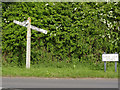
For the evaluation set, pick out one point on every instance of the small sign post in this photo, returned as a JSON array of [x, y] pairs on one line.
[[29, 27], [116, 63], [110, 57], [104, 64], [115, 66]]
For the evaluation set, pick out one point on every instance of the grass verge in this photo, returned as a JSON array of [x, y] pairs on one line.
[[79, 71]]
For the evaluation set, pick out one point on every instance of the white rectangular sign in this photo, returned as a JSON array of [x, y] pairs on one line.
[[110, 57], [24, 23]]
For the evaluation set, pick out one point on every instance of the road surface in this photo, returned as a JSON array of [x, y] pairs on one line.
[[23, 82]]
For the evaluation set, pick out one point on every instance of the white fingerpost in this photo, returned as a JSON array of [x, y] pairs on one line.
[[29, 27], [28, 44]]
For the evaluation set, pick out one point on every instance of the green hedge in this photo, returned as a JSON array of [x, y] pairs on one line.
[[78, 31]]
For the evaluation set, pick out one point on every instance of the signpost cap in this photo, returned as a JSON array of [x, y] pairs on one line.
[[29, 19], [104, 52]]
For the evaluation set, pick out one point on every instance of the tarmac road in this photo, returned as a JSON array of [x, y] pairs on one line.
[[33, 82]]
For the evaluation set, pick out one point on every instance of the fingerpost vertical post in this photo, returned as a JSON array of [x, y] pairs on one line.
[[28, 44]]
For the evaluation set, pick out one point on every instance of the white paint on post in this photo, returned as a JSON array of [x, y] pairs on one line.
[[28, 44]]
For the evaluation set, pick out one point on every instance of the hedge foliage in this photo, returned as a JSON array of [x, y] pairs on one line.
[[78, 31]]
